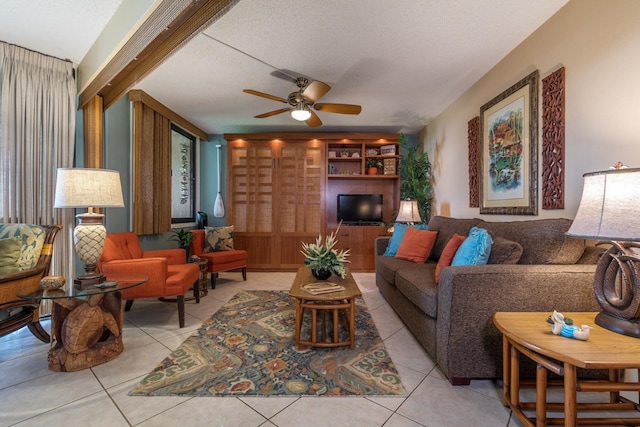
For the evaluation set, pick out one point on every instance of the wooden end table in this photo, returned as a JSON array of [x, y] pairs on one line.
[[86, 325], [333, 303], [530, 335]]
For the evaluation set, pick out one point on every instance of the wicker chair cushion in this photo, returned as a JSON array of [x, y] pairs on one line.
[[32, 241], [9, 254]]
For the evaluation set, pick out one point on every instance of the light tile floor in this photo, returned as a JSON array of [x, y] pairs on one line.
[[31, 395]]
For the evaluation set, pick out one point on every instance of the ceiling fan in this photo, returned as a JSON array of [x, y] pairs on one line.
[[305, 98]]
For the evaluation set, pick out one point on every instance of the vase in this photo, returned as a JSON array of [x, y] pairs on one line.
[[372, 171], [321, 274]]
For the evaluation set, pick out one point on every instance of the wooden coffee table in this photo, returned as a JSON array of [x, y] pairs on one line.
[[333, 303], [530, 335]]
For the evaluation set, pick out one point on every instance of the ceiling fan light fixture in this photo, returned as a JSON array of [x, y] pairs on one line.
[[300, 112]]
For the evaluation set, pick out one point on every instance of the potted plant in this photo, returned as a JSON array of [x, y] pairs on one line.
[[323, 259], [415, 177], [373, 164], [184, 237]]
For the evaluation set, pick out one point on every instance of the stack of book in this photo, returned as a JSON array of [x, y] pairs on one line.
[[318, 288]]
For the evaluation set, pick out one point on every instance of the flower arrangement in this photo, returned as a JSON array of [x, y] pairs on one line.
[[322, 256]]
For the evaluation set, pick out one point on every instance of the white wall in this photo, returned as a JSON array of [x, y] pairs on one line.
[[598, 43]]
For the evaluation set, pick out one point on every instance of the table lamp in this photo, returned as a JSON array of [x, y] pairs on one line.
[[609, 210], [88, 188], [408, 212]]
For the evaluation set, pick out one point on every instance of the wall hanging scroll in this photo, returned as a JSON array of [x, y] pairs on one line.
[[509, 152], [473, 135], [553, 127]]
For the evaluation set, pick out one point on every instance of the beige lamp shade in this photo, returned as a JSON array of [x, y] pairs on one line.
[[408, 212], [610, 206], [86, 187]]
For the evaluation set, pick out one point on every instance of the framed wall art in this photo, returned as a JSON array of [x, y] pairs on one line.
[[508, 150]]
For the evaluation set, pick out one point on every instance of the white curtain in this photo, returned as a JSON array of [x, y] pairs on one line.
[[37, 136]]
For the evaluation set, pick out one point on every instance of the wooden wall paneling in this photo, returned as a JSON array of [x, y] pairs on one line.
[[553, 131], [473, 135]]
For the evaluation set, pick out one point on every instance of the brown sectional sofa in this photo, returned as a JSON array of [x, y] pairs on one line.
[[453, 319]]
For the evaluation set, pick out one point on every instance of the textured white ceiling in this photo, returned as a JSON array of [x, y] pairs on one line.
[[65, 29], [404, 61]]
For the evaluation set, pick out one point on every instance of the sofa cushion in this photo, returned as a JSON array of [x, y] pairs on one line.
[[387, 266], [9, 254], [219, 239], [399, 230], [543, 240], [32, 235], [416, 245], [446, 228], [448, 253], [505, 251], [475, 249], [417, 283]]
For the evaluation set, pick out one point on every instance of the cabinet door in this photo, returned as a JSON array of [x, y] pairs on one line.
[[300, 202], [350, 238], [250, 190]]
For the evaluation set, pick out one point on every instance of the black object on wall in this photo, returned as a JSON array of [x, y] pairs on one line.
[[201, 219]]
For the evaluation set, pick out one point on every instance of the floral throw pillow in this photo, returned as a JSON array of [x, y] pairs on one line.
[[219, 239]]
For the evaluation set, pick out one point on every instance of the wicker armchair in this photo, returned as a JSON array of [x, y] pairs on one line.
[[15, 312]]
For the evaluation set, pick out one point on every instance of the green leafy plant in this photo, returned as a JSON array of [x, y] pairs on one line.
[[182, 235], [322, 255], [415, 177], [373, 162]]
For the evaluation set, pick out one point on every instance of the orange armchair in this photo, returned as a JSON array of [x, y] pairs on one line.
[[218, 261], [169, 274]]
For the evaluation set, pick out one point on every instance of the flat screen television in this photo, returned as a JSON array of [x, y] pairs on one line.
[[360, 208]]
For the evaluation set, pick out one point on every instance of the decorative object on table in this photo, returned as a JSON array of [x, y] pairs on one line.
[[218, 207], [52, 282], [564, 326], [409, 212], [88, 188], [258, 349], [319, 288], [415, 177], [609, 211], [323, 259], [183, 236], [388, 150], [373, 164], [194, 258], [509, 150]]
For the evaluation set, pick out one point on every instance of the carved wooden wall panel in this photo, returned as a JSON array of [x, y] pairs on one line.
[[473, 135], [553, 130]]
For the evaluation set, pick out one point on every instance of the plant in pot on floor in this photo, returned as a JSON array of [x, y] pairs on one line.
[[184, 237], [323, 259]]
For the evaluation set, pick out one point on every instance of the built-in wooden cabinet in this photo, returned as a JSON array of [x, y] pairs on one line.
[[282, 190]]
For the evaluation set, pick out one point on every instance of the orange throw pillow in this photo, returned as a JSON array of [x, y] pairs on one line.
[[448, 253], [416, 245]]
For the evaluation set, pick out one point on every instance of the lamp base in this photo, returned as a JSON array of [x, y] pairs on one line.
[[88, 280], [627, 327]]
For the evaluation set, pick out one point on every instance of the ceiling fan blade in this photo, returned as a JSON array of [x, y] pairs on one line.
[[313, 121], [338, 108], [316, 90], [264, 95], [271, 113]]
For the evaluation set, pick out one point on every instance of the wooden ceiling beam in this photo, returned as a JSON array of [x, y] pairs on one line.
[[168, 28]]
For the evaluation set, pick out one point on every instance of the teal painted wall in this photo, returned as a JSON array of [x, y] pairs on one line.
[[117, 156]]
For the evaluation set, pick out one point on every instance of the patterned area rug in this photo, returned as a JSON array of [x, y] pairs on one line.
[[246, 348]]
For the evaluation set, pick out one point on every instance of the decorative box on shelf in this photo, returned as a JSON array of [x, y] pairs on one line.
[[388, 150], [389, 166]]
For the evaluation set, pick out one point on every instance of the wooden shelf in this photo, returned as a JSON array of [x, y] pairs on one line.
[[379, 176]]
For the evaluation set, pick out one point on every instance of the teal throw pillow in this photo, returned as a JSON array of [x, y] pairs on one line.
[[399, 228], [475, 249]]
